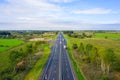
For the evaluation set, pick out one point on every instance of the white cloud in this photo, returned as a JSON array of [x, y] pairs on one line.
[[28, 10], [62, 1], [93, 11], [41, 4], [29, 5], [51, 25], [44, 25], [46, 14], [26, 18]]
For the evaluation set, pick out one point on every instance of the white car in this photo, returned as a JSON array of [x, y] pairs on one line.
[[60, 42], [65, 47], [46, 77]]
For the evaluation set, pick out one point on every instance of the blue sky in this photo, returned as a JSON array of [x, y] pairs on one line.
[[59, 15]]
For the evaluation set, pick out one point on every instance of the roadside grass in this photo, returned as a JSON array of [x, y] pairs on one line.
[[35, 72], [6, 44], [77, 70], [108, 35]]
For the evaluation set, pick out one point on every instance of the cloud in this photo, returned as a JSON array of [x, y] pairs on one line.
[[62, 1], [48, 14], [41, 4], [28, 6], [28, 10], [58, 25], [26, 18], [93, 11]]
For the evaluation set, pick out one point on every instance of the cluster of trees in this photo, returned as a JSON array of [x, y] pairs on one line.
[[79, 35], [5, 34], [25, 34], [21, 60], [25, 54], [68, 32], [106, 59], [74, 46]]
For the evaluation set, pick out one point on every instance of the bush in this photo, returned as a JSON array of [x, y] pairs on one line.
[[75, 46], [86, 59], [1, 45], [106, 37], [116, 64], [105, 77]]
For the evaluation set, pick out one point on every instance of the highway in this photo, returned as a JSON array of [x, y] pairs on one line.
[[58, 66]]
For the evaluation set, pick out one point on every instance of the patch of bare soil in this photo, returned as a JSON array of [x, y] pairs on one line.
[[91, 72], [39, 39], [114, 75]]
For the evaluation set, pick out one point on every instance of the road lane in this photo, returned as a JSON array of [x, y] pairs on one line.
[[58, 66]]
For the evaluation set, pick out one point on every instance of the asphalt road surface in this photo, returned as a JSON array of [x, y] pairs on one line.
[[58, 66]]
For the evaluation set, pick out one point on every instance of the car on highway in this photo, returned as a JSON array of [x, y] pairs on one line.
[[65, 47]]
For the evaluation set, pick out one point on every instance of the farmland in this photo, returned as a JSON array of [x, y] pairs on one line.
[[6, 44], [107, 35]]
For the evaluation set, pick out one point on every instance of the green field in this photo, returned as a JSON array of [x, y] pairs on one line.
[[99, 42], [108, 35], [6, 44]]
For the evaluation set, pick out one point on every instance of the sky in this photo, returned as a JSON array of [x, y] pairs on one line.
[[59, 14]]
